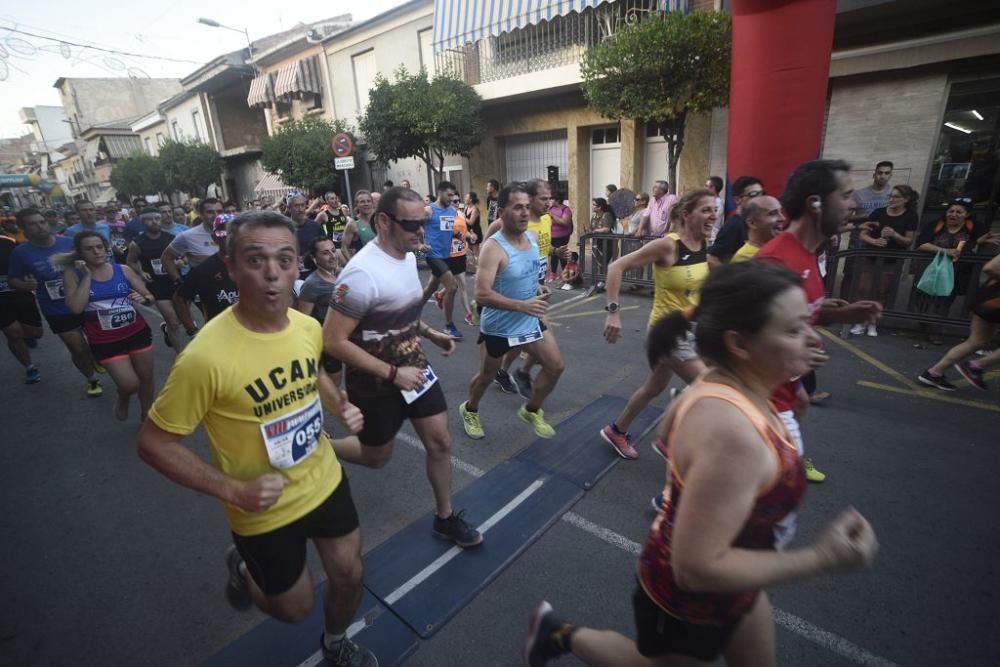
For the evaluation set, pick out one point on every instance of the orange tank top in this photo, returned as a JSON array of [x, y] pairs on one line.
[[774, 503]]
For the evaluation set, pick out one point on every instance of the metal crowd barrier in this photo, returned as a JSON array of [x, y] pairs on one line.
[[887, 276]]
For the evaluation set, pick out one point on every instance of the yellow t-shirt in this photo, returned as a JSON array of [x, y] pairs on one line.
[[543, 232], [745, 253], [257, 396]]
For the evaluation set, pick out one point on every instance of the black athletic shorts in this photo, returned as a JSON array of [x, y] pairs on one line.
[[331, 364], [19, 307], [454, 265], [497, 346], [384, 415], [61, 324], [140, 341], [162, 290], [276, 559], [658, 633]]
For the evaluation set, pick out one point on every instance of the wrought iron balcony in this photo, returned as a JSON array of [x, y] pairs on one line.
[[548, 44]]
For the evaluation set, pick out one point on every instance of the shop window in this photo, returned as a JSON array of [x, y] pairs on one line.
[[967, 159]]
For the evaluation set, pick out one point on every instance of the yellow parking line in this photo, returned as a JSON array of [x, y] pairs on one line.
[[560, 316], [932, 394], [864, 356]]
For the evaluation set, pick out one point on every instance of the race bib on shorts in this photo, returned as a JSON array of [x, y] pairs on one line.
[[55, 289], [541, 269], [293, 437], [157, 267], [447, 223], [514, 341], [115, 318], [457, 245], [413, 394]]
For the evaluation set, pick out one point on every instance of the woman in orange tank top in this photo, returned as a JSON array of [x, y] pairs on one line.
[[735, 474]]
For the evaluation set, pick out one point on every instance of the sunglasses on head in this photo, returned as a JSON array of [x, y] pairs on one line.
[[753, 193], [407, 225], [965, 201]]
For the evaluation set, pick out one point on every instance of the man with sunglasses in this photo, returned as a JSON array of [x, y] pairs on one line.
[[373, 326], [733, 233]]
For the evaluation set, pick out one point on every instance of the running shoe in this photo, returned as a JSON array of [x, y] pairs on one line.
[[31, 342], [812, 474], [857, 329], [546, 636], [439, 299], [470, 420], [99, 368], [537, 421], [32, 375], [166, 338], [872, 330], [973, 376], [469, 320], [938, 381], [505, 382], [523, 379], [456, 530], [660, 447], [453, 331], [676, 391], [621, 442], [94, 389], [237, 591], [658, 503], [348, 653]]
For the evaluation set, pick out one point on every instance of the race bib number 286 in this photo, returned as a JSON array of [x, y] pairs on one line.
[[293, 437]]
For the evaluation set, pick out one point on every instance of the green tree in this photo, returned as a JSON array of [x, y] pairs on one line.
[[661, 69], [138, 175], [300, 152], [189, 167], [414, 116]]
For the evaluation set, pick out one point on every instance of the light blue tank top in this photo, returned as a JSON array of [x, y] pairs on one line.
[[518, 280]]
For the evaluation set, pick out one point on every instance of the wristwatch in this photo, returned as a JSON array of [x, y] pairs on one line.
[[612, 307]]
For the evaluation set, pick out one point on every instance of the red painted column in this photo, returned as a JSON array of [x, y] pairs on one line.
[[777, 94]]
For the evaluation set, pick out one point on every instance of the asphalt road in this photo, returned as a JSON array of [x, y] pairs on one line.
[[108, 563]]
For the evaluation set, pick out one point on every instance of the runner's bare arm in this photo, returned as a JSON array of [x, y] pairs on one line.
[[132, 259], [166, 452], [137, 283], [661, 251], [348, 238], [183, 309], [336, 332], [77, 290], [493, 228], [168, 259]]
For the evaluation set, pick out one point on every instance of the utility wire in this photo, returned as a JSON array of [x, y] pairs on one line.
[[99, 48]]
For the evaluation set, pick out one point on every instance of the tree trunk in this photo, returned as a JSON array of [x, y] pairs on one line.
[[673, 134], [429, 163]]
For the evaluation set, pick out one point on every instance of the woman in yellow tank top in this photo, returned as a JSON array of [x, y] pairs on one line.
[[679, 268]]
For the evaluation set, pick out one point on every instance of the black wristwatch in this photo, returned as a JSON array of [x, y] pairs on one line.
[[612, 307]]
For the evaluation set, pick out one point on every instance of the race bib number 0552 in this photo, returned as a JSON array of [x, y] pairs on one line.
[[293, 437]]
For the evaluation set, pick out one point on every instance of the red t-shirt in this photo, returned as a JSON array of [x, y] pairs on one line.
[[787, 251]]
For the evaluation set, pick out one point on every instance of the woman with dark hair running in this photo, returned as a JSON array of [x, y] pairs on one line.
[[119, 338], [679, 268], [734, 475]]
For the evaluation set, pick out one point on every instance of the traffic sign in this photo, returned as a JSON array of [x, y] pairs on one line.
[[343, 162], [342, 145]]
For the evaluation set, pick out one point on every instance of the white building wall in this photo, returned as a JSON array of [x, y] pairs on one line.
[[183, 125]]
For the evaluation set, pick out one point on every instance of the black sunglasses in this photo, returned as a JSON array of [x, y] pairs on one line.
[[407, 225], [753, 193]]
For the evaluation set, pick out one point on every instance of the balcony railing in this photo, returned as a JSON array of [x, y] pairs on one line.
[[555, 43]]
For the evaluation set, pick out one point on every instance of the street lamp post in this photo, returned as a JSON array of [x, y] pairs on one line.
[[215, 24]]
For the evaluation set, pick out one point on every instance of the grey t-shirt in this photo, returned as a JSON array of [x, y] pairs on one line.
[[195, 244], [867, 200], [317, 291]]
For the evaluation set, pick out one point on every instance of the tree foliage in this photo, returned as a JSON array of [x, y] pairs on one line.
[[418, 117], [661, 69], [189, 167], [300, 152], [138, 175]]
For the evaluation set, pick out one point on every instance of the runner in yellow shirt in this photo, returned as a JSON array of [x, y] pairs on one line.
[[253, 378]]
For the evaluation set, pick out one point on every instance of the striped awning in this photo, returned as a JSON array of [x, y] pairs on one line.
[[261, 91], [458, 22], [301, 77]]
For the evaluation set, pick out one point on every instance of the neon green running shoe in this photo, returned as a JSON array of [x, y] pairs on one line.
[[470, 420], [537, 421]]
